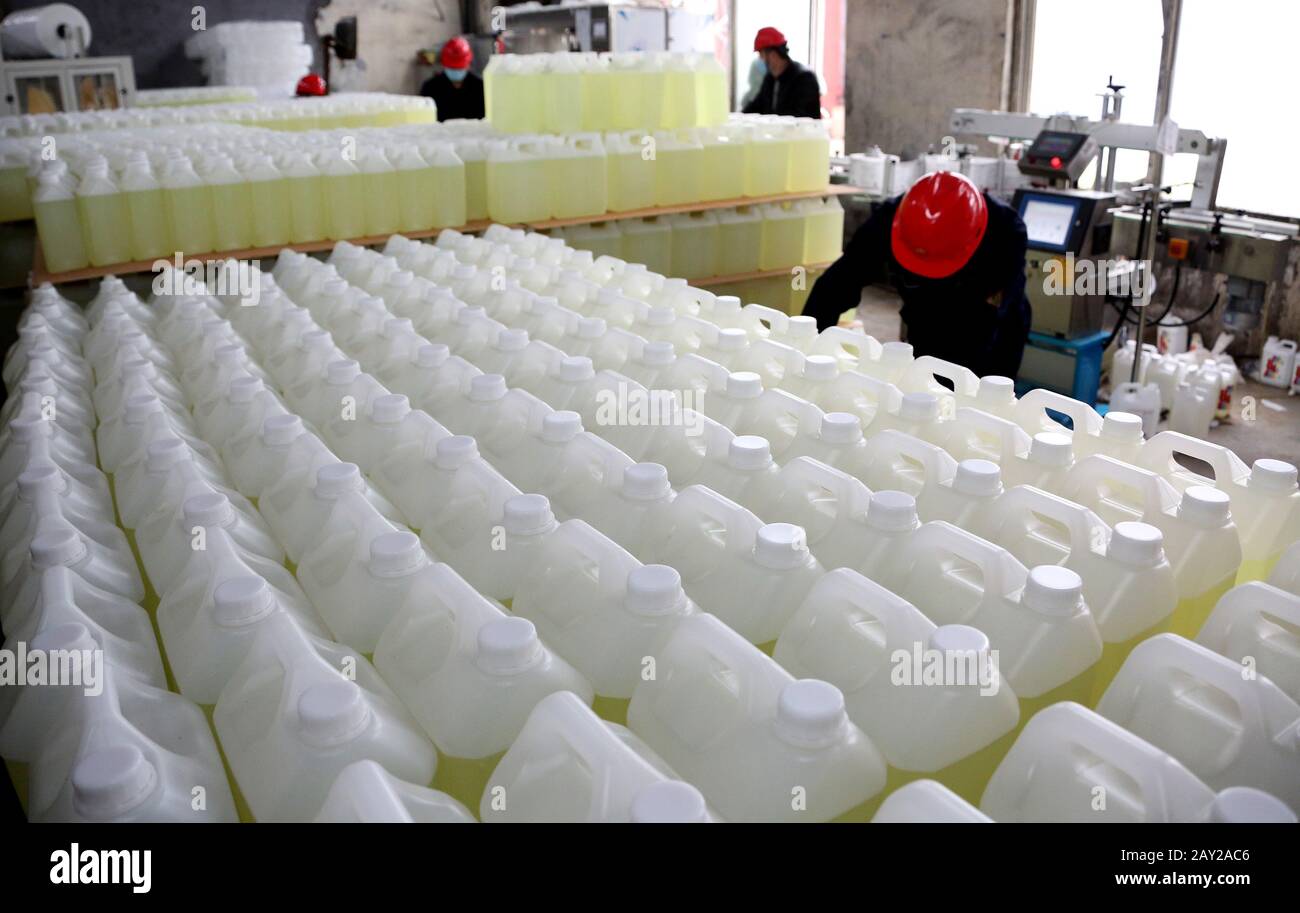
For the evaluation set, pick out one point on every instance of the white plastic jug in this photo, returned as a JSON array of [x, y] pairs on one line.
[[601, 609], [874, 646], [749, 574], [829, 505], [470, 674], [1071, 764], [290, 720], [966, 498], [760, 745], [1046, 638], [1046, 465], [927, 802], [1142, 400], [134, 752], [901, 462], [1205, 551], [1255, 625], [1227, 728], [568, 765], [366, 793]]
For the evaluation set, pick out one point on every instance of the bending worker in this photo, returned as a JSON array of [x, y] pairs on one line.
[[789, 88], [456, 91], [956, 256]]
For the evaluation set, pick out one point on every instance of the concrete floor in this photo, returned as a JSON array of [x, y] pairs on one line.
[[1254, 430]]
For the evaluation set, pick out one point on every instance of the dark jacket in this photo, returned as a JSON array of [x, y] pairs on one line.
[[797, 94], [454, 103], [977, 317]]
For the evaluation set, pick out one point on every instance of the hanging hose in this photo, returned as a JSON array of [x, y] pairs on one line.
[[1128, 302]]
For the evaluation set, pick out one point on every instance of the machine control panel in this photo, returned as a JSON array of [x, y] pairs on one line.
[[1058, 155]]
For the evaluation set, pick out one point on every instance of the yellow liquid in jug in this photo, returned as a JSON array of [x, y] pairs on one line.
[[450, 197], [272, 213], [15, 198], [783, 241], [103, 218], [232, 216], [613, 709], [148, 214], [59, 226], [1256, 569], [476, 207], [383, 195], [189, 219], [631, 181], [1190, 614], [307, 209], [345, 205]]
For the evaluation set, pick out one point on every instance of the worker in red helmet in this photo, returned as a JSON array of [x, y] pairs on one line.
[[311, 84], [956, 256], [788, 87], [456, 91]]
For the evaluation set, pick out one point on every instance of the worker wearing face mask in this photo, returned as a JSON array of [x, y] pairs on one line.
[[456, 91], [789, 88], [956, 256]]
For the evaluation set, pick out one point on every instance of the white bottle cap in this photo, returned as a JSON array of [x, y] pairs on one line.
[[896, 352], [432, 355], [1122, 426], [1051, 449], [810, 713], [281, 430], [1136, 544], [111, 781], [576, 368], [334, 479], [469, 314], [394, 327], [590, 328], [61, 547], [1205, 506], [1247, 805], [669, 802], [242, 600], [395, 554], [464, 271], [508, 645], [41, 477], [781, 546], [334, 287], [485, 388], [206, 510], [919, 407], [401, 279], [996, 390], [840, 428], [820, 367], [340, 372], [660, 315], [333, 712], [389, 409], [978, 478], [455, 451], [1273, 475], [657, 354], [744, 385], [1053, 590], [561, 427], [165, 453], [528, 515], [512, 339], [30, 429], [315, 338], [958, 639], [749, 452], [892, 511], [654, 589], [645, 482], [727, 302], [732, 339], [244, 388]]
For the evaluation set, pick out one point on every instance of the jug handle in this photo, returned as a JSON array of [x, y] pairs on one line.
[[942, 537], [740, 525], [1031, 412], [1159, 451], [764, 321], [1015, 440], [1171, 652], [926, 368], [1083, 526], [841, 341], [1157, 494], [885, 395], [937, 464], [851, 495]]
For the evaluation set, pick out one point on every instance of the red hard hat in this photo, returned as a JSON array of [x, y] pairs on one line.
[[456, 54], [311, 84], [939, 224], [768, 37]]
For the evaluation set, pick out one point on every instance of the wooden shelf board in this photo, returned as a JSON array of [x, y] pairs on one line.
[[830, 190]]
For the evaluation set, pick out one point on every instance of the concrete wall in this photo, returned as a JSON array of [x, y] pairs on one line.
[[390, 33], [908, 62]]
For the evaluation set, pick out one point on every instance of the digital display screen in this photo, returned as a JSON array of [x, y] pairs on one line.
[[1048, 222], [1063, 144]]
